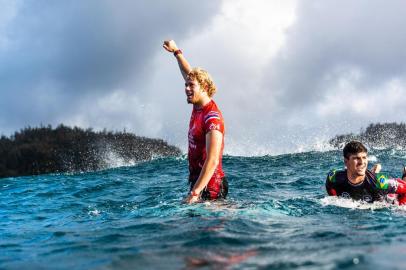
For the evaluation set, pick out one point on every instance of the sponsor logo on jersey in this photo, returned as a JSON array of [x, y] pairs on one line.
[[214, 126], [346, 195], [192, 143]]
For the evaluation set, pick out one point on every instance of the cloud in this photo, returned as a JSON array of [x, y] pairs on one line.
[[235, 48], [290, 74], [328, 51], [338, 70], [56, 57]]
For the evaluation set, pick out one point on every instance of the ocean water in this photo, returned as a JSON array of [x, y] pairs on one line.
[[277, 216]]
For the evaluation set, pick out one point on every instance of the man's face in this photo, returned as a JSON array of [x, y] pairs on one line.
[[193, 91], [357, 164]]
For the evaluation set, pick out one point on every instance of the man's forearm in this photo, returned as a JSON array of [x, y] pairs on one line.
[[184, 65], [206, 174]]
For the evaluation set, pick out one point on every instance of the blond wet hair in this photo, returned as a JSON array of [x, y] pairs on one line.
[[204, 79]]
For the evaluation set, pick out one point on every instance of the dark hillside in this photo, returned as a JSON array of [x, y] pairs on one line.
[[376, 136], [65, 149]]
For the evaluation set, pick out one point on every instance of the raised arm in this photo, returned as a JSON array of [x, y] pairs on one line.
[[184, 65]]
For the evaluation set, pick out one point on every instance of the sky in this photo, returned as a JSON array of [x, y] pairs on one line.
[[290, 74]]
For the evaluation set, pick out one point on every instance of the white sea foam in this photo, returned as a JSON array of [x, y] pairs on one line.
[[293, 145], [114, 160], [296, 144], [94, 212], [372, 158], [348, 203]]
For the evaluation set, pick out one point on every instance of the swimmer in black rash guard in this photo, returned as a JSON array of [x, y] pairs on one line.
[[359, 183]]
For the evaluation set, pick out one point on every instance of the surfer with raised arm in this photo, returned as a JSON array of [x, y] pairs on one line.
[[359, 183], [206, 132]]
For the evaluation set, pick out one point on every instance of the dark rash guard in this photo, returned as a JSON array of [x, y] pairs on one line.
[[375, 187]]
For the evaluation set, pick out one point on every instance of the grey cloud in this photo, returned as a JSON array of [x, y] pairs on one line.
[[65, 61], [331, 37], [72, 51], [332, 46]]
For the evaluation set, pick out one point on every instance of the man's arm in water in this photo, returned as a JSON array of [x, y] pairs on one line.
[[184, 65], [330, 183], [400, 183], [330, 189], [214, 140]]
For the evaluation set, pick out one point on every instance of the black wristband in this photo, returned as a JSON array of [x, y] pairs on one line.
[[177, 52]]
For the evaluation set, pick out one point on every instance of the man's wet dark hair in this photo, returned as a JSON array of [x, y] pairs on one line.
[[353, 148]]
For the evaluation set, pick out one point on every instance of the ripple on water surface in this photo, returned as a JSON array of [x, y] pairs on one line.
[[276, 217]]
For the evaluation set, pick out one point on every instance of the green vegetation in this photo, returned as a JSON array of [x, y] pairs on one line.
[[65, 149], [376, 136]]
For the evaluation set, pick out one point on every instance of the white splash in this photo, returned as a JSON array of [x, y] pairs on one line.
[[351, 204], [297, 144], [114, 160], [372, 158], [94, 212]]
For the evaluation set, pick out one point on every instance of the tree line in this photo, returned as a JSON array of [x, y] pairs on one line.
[[376, 135], [44, 149]]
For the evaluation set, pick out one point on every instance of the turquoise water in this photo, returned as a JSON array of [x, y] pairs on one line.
[[277, 216]]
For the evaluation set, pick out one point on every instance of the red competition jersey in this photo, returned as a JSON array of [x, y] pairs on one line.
[[202, 121]]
